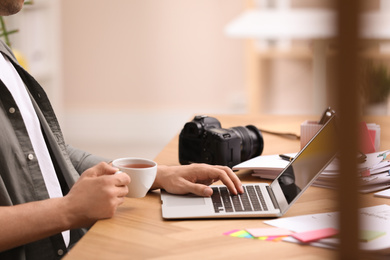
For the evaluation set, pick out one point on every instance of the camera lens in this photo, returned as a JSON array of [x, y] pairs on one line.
[[252, 143]]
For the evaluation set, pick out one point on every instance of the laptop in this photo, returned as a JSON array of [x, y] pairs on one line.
[[260, 199]]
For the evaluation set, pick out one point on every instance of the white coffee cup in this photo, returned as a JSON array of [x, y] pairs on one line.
[[142, 173]]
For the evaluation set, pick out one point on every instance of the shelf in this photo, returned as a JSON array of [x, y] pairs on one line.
[[302, 23], [282, 24]]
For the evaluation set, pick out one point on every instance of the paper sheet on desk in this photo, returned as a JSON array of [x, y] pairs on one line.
[[265, 166], [376, 218], [383, 193], [264, 162]]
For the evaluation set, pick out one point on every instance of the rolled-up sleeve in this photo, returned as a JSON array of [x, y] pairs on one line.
[[82, 160]]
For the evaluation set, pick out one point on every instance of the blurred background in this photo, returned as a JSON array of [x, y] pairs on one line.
[[125, 75]]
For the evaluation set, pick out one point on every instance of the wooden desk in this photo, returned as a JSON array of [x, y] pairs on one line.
[[137, 231]]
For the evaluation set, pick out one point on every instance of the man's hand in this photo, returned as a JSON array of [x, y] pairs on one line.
[[97, 194], [195, 179]]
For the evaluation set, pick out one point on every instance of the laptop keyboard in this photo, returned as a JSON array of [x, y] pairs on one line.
[[251, 200]]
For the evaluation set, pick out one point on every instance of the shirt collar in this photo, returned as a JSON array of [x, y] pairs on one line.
[[7, 51]]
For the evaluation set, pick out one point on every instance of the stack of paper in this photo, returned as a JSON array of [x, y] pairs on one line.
[[373, 173]]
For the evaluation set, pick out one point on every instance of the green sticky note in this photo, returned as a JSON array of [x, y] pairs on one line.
[[241, 233], [368, 235]]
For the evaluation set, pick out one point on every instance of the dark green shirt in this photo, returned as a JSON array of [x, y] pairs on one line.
[[21, 180]]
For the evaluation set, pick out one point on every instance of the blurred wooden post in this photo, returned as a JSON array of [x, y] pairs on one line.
[[348, 111]]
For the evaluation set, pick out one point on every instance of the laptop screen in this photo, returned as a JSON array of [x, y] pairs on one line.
[[306, 166]]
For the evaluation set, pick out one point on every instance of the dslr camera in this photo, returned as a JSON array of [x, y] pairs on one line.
[[203, 140]]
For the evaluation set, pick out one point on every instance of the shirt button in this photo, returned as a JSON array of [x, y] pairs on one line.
[[30, 156], [12, 110], [60, 252]]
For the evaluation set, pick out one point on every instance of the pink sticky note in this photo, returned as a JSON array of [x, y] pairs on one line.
[[265, 232], [277, 239], [231, 232], [313, 235], [271, 238]]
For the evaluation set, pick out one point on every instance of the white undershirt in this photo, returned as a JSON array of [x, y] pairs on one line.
[[15, 85]]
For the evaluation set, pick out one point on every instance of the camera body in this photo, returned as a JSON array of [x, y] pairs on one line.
[[203, 140]]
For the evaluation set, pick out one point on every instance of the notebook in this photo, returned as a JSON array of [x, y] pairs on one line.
[[260, 199]]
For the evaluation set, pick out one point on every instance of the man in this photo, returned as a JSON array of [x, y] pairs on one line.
[[50, 191]]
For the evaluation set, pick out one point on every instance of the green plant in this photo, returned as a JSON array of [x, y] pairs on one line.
[[375, 83], [3, 30]]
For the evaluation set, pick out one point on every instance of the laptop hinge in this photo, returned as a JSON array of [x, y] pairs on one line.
[[273, 199]]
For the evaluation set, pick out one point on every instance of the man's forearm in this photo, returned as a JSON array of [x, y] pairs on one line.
[[25, 223]]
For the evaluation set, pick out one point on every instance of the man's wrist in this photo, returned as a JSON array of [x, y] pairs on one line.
[[161, 171]]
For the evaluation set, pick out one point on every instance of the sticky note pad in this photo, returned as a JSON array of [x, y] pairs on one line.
[[231, 232], [368, 235], [241, 233], [265, 232], [313, 235]]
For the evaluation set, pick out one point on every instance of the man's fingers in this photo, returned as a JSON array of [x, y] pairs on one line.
[[199, 189], [123, 191], [230, 179], [122, 179], [100, 169], [117, 183]]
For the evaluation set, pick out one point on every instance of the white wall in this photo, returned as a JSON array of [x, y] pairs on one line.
[[125, 75], [135, 71]]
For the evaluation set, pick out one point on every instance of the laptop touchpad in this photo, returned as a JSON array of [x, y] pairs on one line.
[[188, 200]]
